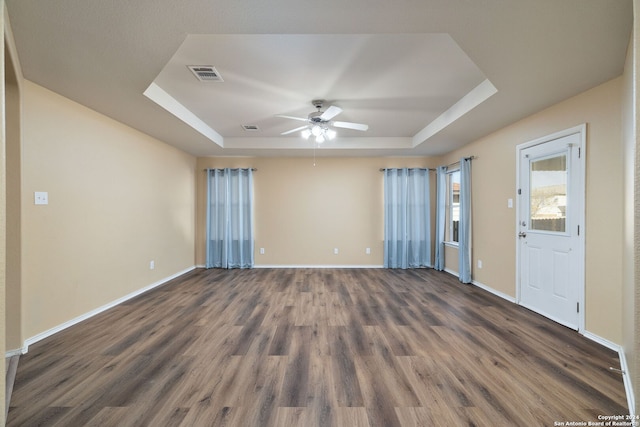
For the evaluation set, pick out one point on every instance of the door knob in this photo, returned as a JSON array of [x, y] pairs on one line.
[[522, 234]]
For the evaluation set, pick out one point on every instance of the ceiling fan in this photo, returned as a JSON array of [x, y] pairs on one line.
[[319, 122]]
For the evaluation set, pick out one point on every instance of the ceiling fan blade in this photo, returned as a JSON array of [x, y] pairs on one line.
[[293, 118], [349, 125], [330, 113], [294, 130]]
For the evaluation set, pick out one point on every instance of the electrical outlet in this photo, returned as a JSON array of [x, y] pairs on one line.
[[367, 251], [335, 251], [479, 263], [41, 198], [152, 265], [261, 251]]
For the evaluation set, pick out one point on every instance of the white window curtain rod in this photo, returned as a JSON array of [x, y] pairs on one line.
[[422, 169], [432, 169], [212, 169], [458, 162]]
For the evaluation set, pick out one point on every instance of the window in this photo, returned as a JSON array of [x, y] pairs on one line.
[[548, 194], [452, 206]]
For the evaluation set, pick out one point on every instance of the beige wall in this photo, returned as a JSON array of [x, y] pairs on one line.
[[494, 182], [14, 213], [117, 200], [451, 259], [303, 212]]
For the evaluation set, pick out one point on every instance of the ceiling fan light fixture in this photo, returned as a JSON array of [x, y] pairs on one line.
[[320, 133], [319, 123], [316, 130]]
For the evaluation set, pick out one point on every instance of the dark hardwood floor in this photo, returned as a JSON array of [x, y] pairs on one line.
[[316, 347]]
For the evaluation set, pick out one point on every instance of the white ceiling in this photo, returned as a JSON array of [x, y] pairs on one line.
[[427, 76]]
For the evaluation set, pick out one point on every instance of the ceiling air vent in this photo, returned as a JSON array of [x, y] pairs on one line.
[[250, 128], [205, 73]]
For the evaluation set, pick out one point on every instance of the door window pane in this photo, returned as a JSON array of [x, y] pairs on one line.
[[548, 194]]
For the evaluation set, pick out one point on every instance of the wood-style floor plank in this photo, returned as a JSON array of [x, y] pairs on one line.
[[315, 347]]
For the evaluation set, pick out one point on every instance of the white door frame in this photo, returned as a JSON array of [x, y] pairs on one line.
[[581, 171]]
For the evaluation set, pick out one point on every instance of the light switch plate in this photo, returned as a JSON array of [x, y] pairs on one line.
[[41, 198]]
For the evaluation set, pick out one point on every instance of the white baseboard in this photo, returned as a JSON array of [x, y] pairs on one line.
[[628, 386], [316, 266], [96, 311], [453, 273], [485, 287], [602, 341], [15, 352], [493, 291]]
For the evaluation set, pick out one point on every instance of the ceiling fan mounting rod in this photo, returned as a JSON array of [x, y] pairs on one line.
[[318, 103]]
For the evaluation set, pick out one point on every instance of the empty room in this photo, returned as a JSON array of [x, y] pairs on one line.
[[237, 213]]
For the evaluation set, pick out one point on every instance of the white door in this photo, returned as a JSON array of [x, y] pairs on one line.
[[550, 227]]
